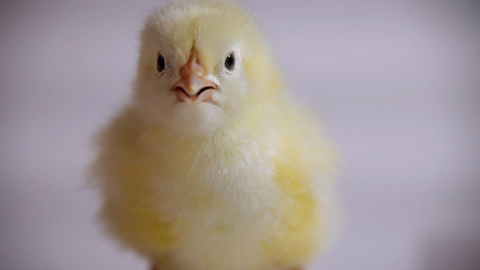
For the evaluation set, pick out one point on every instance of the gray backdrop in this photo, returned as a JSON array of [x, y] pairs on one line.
[[396, 83]]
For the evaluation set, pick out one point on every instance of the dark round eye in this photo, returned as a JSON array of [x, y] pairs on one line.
[[160, 62], [230, 61]]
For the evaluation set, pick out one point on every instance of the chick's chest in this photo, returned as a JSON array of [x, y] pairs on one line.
[[227, 183]]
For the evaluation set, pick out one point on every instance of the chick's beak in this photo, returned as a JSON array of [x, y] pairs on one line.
[[193, 87]]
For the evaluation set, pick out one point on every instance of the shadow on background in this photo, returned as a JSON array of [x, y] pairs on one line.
[[452, 254]]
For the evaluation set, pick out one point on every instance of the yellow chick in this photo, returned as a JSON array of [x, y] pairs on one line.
[[211, 166]]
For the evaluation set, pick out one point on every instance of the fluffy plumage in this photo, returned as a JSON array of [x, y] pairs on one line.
[[240, 181]]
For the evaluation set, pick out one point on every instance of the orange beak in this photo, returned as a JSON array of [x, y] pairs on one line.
[[193, 87]]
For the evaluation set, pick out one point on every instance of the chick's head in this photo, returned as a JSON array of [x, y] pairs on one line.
[[203, 64]]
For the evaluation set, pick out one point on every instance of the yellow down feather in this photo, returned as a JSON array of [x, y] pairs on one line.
[[241, 183]]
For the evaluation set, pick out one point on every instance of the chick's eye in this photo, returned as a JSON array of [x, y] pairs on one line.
[[230, 61], [160, 62]]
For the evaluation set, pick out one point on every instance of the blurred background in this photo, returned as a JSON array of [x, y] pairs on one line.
[[397, 83]]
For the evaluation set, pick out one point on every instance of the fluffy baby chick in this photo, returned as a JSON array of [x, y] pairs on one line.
[[211, 166]]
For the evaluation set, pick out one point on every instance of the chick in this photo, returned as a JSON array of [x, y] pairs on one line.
[[211, 166]]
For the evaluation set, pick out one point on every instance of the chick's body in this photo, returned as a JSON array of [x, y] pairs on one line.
[[235, 178]]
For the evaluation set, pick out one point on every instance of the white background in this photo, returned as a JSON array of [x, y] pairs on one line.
[[397, 83]]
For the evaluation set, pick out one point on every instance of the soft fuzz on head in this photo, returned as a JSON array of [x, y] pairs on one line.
[[215, 29]]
